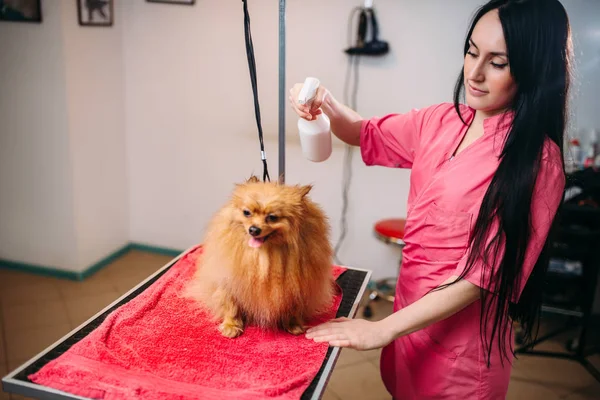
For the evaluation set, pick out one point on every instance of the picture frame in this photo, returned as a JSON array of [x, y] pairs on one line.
[[21, 11], [178, 2], [95, 13]]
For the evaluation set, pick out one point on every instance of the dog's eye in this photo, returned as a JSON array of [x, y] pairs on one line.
[[272, 218], [247, 213]]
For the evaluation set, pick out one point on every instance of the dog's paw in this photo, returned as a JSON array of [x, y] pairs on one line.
[[296, 329], [231, 329]]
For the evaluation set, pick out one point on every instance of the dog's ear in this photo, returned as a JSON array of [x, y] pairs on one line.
[[304, 190], [253, 179]]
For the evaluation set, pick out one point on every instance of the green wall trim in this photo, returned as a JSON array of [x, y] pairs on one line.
[[92, 269], [165, 251], [38, 269]]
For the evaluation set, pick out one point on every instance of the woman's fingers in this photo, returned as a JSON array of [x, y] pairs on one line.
[[328, 326], [325, 333], [304, 111], [330, 337], [318, 100], [320, 331], [340, 319], [340, 343]]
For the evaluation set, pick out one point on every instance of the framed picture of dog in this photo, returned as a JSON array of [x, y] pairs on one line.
[[21, 11], [95, 12]]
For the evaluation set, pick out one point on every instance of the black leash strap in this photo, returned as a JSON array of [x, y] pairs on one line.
[[252, 66]]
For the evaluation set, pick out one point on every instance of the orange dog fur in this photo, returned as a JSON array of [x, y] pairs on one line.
[[266, 260]]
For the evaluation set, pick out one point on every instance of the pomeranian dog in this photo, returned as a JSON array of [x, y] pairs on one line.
[[266, 260]]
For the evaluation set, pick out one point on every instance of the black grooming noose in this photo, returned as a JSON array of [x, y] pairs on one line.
[[252, 66]]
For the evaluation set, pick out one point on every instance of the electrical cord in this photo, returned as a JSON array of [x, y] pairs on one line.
[[351, 100]]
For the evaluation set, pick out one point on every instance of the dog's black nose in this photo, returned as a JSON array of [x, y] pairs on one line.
[[254, 230]]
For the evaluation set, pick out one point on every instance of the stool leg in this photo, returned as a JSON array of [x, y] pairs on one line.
[[379, 291], [373, 296]]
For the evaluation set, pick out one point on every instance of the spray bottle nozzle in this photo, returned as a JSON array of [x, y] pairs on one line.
[[309, 90]]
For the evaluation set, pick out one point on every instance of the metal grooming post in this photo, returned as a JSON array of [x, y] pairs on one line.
[[282, 95]]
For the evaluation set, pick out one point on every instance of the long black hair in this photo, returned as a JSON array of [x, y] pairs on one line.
[[538, 41]]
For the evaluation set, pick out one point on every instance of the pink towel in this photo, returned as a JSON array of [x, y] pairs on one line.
[[152, 348]]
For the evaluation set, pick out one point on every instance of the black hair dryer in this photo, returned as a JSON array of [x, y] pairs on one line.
[[374, 46]]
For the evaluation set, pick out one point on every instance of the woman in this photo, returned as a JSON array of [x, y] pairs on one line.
[[486, 183]]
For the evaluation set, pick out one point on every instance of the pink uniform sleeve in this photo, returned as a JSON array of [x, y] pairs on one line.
[[393, 140], [547, 196]]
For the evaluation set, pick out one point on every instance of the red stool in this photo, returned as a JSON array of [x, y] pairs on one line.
[[389, 231]]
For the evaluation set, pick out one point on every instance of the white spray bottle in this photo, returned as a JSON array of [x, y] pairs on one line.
[[315, 135]]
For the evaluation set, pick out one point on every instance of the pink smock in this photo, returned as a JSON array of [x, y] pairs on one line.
[[446, 360]]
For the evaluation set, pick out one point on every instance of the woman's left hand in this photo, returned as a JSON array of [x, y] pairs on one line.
[[358, 334]]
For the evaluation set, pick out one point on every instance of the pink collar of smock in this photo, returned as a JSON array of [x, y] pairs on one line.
[[496, 126], [499, 123]]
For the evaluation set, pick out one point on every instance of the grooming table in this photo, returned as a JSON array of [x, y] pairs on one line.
[[352, 282]]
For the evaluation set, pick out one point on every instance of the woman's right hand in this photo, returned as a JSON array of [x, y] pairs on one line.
[[345, 122], [304, 111]]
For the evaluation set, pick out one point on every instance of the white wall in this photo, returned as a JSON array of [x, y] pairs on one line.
[[190, 119], [165, 94], [95, 93], [63, 172], [36, 190], [190, 124]]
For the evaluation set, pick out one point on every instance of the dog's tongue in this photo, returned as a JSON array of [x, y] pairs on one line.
[[256, 243]]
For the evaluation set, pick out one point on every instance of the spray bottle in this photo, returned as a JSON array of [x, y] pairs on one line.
[[315, 135]]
